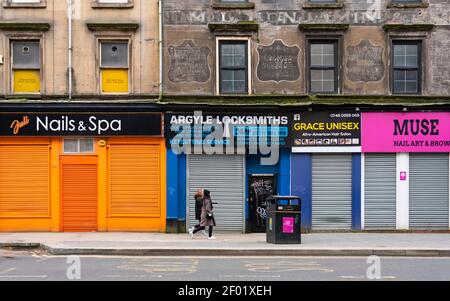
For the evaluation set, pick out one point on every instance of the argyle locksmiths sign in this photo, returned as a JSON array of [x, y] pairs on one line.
[[326, 132], [80, 124], [204, 129]]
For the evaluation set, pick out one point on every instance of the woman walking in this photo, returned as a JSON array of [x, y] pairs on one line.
[[206, 216], [198, 197]]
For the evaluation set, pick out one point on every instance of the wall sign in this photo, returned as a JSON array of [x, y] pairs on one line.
[[239, 130], [188, 63], [365, 62], [326, 132], [79, 124], [406, 132], [278, 62]]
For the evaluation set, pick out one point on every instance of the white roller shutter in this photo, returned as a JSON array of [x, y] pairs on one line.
[[331, 192], [428, 191], [223, 175], [380, 191]]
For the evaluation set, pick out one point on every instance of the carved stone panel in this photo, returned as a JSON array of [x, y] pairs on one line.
[[188, 63], [365, 62], [278, 62]]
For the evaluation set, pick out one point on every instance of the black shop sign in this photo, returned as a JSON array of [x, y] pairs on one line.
[[228, 130], [81, 124]]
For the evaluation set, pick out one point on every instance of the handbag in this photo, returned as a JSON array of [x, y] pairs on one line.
[[209, 215]]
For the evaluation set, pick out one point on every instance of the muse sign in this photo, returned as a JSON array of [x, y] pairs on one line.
[[406, 132], [80, 124]]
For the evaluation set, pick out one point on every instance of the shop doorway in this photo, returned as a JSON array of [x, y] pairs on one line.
[[260, 187], [79, 187]]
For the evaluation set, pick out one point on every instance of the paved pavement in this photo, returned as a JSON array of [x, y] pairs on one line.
[[160, 244], [21, 266]]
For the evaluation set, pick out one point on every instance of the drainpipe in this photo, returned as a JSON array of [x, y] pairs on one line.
[[69, 14], [161, 50]]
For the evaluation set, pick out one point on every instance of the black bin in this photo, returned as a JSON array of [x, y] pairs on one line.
[[283, 223]]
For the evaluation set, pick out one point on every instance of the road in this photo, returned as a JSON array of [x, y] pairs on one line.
[[30, 265]]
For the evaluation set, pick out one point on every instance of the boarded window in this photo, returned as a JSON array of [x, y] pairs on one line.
[[114, 67], [24, 181], [26, 65]]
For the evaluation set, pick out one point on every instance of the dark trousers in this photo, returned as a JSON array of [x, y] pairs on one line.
[[199, 228]]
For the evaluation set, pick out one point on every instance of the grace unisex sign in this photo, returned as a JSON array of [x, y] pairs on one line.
[[81, 124], [326, 132], [406, 132]]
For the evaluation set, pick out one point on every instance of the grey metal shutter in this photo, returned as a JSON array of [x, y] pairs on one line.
[[428, 191], [223, 175], [380, 191], [331, 192]]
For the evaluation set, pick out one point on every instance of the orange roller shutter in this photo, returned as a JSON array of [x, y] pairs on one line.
[[24, 181], [135, 188], [79, 197]]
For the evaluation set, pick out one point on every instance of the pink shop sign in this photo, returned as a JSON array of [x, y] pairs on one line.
[[406, 132]]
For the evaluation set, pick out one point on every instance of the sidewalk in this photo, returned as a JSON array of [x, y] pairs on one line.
[[159, 244]]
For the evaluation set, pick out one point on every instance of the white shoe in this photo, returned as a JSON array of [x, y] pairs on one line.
[[212, 237], [191, 232], [204, 233]]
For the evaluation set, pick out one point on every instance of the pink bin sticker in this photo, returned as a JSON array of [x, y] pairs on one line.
[[288, 225]]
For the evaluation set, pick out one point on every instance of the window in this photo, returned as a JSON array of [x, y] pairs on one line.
[[114, 66], [24, 3], [406, 67], [323, 66], [112, 1], [406, 1], [322, 1], [26, 66], [78, 146], [233, 65]]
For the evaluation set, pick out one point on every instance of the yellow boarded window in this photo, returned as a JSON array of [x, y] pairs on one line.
[[115, 80], [27, 81], [114, 66], [26, 66]]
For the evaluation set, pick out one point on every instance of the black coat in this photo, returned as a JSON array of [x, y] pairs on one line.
[[198, 206]]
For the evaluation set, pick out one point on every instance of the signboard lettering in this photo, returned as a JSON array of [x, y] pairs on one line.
[[406, 132], [79, 124]]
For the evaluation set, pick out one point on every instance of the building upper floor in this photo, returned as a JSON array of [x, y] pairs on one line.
[[103, 47], [273, 48], [307, 47]]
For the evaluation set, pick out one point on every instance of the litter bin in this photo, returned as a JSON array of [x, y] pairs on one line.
[[283, 224]]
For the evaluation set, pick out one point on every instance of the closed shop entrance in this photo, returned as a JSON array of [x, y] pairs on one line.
[[380, 191], [428, 191], [223, 175], [78, 171], [82, 172], [331, 191]]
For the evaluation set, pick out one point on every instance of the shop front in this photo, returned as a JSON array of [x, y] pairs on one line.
[[225, 153], [326, 168], [406, 176], [78, 172]]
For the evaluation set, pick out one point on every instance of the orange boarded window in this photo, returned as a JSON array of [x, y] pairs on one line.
[[135, 174], [24, 181]]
